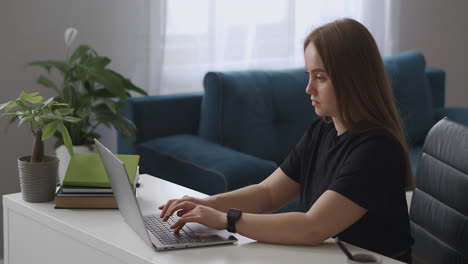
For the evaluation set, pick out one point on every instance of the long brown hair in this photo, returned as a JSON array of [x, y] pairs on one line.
[[363, 93]]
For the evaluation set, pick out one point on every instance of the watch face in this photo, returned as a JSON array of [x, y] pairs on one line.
[[234, 214]]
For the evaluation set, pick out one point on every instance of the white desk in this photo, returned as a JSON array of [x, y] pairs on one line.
[[38, 233]]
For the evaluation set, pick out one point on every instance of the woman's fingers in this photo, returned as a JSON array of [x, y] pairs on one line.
[[187, 206], [182, 221], [166, 208]]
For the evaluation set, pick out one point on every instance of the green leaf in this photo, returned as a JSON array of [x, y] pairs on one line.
[[110, 104], [24, 104], [99, 62], [5, 105], [59, 104], [113, 83], [125, 126], [32, 98], [71, 119], [66, 138], [44, 81], [78, 53], [42, 64], [59, 65], [39, 120], [50, 129], [130, 86], [65, 111], [24, 119], [51, 116], [103, 93], [57, 113], [49, 101], [11, 106]]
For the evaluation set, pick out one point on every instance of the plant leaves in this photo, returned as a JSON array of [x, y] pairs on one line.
[[44, 81], [130, 86], [66, 138], [125, 126], [5, 105], [32, 98], [79, 52], [113, 83], [59, 104], [50, 129], [49, 101], [103, 93], [11, 106], [62, 66], [24, 104], [24, 119], [51, 116], [65, 111], [99, 62], [71, 119], [110, 104]]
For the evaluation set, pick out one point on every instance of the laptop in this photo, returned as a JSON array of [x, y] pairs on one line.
[[151, 228]]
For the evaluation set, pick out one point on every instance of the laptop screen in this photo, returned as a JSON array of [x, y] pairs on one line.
[[122, 188]]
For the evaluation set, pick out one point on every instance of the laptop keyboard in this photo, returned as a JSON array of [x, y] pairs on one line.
[[162, 231]]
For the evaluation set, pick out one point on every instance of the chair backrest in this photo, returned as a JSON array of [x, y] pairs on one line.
[[439, 206]]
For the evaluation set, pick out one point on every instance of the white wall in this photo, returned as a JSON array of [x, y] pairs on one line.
[[32, 30], [438, 28]]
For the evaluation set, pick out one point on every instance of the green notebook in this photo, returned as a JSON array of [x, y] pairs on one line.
[[87, 170]]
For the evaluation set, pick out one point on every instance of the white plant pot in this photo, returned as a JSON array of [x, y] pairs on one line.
[[62, 153]]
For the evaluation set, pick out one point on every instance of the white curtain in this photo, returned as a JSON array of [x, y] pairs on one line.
[[190, 38]]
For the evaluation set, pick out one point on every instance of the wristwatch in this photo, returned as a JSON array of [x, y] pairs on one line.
[[233, 215]]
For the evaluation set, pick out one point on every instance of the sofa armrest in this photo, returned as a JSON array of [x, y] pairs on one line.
[[160, 116], [436, 79], [457, 114]]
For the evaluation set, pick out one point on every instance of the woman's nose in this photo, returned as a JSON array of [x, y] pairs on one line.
[[310, 89]]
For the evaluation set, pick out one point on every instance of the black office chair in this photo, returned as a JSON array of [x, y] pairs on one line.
[[439, 207]]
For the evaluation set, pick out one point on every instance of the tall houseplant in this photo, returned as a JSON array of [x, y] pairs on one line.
[[92, 89], [38, 172]]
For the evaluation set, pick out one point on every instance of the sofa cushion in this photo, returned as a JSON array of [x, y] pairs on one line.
[[412, 93], [263, 113], [201, 165]]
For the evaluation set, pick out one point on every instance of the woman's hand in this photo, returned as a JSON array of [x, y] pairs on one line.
[[167, 209], [192, 212]]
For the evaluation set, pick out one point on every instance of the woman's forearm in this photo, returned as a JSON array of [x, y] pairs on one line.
[[251, 199], [288, 228]]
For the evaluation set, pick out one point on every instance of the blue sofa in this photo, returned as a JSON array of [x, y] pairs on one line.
[[245, 123]]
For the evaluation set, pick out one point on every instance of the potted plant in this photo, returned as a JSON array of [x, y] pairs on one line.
[[38, 172], [93, 90]]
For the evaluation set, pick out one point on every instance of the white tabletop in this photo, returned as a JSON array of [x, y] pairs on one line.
[[107, 231]]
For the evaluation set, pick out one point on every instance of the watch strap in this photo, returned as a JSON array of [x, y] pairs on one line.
[[233, 216]]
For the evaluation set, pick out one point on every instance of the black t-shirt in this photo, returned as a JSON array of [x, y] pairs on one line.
[[367, 168]]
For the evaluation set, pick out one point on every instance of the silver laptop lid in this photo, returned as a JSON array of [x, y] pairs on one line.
[[122, 188]]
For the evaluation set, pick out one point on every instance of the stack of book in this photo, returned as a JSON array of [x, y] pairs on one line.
[[86, 184]]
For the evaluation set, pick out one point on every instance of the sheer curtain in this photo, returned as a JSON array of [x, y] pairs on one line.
[[194, 37]]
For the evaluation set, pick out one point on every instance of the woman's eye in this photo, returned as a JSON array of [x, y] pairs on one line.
[[319, 77]]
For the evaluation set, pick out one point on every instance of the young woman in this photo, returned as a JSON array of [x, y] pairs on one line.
[[350, 168]]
